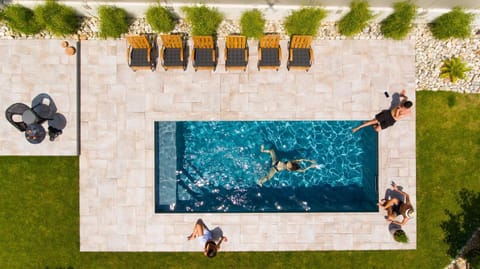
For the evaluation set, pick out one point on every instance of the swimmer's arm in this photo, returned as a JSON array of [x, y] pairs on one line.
[[305, 160], [313, 165]]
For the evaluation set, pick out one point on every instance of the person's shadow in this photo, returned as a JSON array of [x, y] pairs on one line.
[[217, 232], [395, 100]]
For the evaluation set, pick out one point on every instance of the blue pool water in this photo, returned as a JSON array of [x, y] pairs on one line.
[[214, 166]]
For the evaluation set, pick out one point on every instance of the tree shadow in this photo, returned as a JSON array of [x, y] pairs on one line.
[[461, 225]]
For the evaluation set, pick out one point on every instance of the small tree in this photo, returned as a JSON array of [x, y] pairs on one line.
[[400, 236], [113, 21], [356, 19], [21, 19], [456, 24], [398, 24], [57, 18], [203, 20], [161, 19], [305, 21], [252, 23], [454, 69]]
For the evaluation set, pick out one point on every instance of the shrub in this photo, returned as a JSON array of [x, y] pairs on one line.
[[400, 236], [456, 24], [356, 19], [454, 69], [203, 20], [398, 24], [57, 18], [161, 19], [252, 23], [304, 21], [113, 21], [21, 19]]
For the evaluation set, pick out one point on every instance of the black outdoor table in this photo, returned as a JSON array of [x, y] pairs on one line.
[[29, 117], [35, 133]]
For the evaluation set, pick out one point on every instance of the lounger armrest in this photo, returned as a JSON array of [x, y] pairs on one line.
[[246, 54], [128, 55], [161, 54], [226, 54], [213, 55], [279, 53], [290, 54], [259, 54], [149, 50], [181, 54]]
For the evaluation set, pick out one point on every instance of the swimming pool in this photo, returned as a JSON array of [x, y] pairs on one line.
[[214, 166]]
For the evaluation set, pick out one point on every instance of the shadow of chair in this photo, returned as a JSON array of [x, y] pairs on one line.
[[269, 52], [236, 52], [300, 53], [174, 52], [204, 53], [142, 52], [14, 115]]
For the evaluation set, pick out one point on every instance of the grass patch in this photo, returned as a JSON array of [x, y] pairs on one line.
[[454, 24], [304, 21], [39, 221], [398, 24], [356, 19]]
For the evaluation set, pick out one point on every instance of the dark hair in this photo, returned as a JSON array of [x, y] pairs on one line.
[[295, 166], [211, 249], [408, 104]]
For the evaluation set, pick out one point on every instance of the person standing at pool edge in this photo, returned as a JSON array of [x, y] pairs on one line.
[[277, 166], [204, 235], [388, 117]]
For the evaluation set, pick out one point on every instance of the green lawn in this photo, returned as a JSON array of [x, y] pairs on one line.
[[39, 198]]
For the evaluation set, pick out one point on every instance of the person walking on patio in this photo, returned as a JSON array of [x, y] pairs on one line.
[[388, 117], [205, 237], [397, 206]]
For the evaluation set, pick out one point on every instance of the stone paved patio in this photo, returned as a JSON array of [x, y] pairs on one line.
[[118, 109]]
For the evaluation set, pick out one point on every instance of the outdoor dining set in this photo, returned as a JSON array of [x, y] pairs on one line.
[[30, 119]]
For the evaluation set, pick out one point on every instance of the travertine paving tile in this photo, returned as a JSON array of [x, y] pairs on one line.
[[119, 107]]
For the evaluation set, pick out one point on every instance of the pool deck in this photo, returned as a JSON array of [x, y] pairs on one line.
[[114, 135]]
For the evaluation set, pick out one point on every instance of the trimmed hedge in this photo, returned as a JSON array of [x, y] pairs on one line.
[[252, 24], [356, 19], [161, 19], [398, 24], [454, 24], [113, 21], [21, 19], [203, 20]]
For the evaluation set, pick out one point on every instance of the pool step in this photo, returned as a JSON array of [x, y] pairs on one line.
[[166, 163]]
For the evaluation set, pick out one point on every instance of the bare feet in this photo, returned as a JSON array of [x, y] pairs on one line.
[[190, 237], [354, 130]]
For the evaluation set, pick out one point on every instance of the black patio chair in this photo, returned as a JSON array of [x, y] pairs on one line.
[[17, 109]]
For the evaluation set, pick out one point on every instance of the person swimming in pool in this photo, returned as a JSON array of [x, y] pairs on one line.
[[388, 117], [277, 165]]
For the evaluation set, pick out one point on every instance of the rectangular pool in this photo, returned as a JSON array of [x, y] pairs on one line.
[[214, 166]]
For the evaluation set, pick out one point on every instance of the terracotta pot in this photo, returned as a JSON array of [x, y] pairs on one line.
[[64, 44], [70, 50]]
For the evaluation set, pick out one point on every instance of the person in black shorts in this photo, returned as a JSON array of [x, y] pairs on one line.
[[388, 117]]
